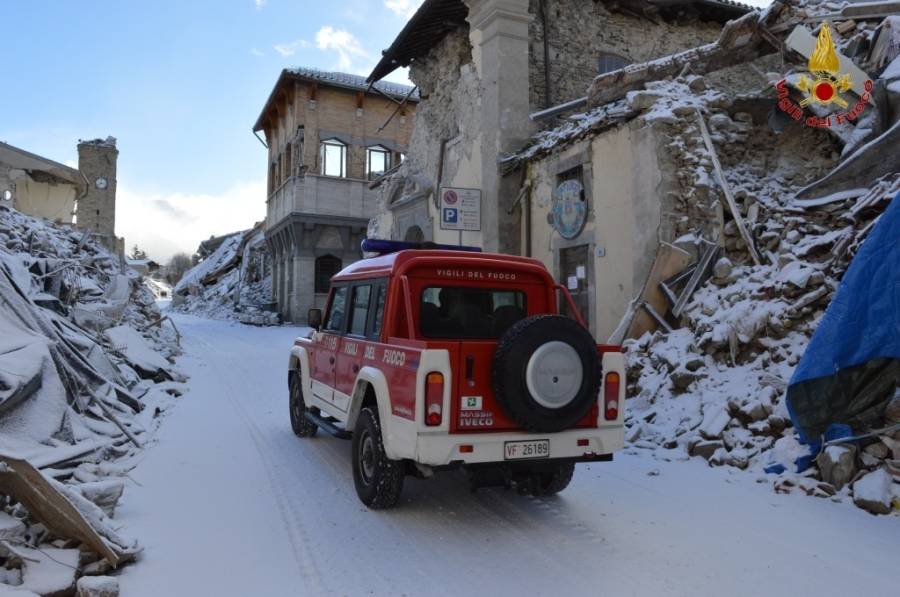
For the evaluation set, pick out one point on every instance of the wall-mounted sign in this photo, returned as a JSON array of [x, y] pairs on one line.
[[569, 209], [460, 209]]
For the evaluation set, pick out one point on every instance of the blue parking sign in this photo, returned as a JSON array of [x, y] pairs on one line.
[[451, 215]]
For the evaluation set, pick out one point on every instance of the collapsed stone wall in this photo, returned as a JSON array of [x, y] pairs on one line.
[[715, 387], [580, 31], [450, 92], [761, 165]]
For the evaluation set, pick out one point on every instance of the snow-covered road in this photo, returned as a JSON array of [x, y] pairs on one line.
[[231, 503]]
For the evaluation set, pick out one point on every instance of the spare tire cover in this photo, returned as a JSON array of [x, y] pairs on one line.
[[546, 373]]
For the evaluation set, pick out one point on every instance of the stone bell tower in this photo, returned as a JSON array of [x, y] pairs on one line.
[[96, 211]]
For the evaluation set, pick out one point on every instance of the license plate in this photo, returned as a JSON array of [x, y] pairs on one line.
[[538, 448]]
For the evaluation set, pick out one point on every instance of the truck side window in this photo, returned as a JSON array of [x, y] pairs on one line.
[[337, 310], [360, 310], [378, 315]]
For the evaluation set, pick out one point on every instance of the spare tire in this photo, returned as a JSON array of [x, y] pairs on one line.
[[546, 373]]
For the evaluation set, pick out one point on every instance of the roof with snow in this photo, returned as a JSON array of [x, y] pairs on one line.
[[396, 91], [20, 159], [210, 268], [436, 18]]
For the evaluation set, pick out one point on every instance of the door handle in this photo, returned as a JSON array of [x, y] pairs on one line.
[[356, 368], [331, 361]]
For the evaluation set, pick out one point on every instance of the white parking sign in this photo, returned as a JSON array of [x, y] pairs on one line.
[[460, 209]]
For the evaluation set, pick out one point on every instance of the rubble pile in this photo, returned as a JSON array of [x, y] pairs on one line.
[[234, 282], [85, 373], [715, 386]]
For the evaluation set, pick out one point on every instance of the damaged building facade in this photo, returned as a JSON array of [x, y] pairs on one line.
[[483, 67], [626, 195], [329, 135], [590, 185], [706, 213], [38, 186], [84, 197]]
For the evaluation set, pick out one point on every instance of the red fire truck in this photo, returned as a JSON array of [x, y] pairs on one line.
[[443, 357]]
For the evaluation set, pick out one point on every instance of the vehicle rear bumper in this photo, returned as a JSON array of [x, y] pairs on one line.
[[443, 449]]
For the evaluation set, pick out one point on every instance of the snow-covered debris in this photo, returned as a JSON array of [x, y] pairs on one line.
[[210, 269], [837, 465], [873, 492], [715, 387], [235, 282], [98, 586], [10, 528], [159, 288], [148, 363], [47, 570], [78, 336]]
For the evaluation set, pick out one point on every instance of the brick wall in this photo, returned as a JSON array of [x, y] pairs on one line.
[[334, 112]]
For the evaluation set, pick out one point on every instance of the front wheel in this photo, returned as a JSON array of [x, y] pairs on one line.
[[378, 479], [302, 426]]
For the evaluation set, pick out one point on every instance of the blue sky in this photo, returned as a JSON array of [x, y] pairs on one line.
[[179, 83]]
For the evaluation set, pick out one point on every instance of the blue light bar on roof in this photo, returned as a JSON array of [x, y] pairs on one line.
[[384, 246]]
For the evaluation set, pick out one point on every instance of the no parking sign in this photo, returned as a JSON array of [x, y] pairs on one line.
[[460, 209]]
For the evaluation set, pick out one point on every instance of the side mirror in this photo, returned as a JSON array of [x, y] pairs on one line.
[[314, 318]]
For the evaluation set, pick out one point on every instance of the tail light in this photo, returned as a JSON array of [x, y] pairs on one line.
[[611, 396], [434, 399]]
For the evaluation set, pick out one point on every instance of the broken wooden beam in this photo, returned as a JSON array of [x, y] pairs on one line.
[[732, 204], [656, 316], [877, 158], [741, 40], [11, 397], [56, 506], [809, 298], [703, 265]]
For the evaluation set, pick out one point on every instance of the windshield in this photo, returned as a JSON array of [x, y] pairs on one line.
[[453, 312]]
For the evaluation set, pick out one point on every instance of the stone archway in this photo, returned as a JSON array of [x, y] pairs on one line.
[[414, 234]]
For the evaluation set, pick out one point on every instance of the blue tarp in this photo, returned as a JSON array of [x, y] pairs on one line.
[[861, 324]]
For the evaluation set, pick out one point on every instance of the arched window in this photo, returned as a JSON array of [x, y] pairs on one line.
[[333, 158], [326, 267], [288, 163], [609, 62], [414, 234], [378, 161]]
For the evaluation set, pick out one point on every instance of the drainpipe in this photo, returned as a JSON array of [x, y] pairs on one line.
[[440, 173], [528, 214], [544, 10]]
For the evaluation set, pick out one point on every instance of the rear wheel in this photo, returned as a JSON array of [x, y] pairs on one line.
[[547, 483], [302, 426], [378, 479]]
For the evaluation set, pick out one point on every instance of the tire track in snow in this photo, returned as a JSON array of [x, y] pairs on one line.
[[506, 515], [293, 527], [516, 514], [436, 519], [506, 521], [325, 450]]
